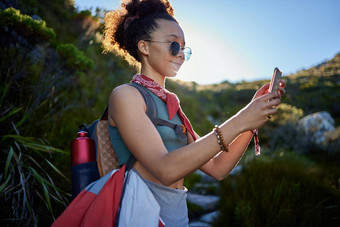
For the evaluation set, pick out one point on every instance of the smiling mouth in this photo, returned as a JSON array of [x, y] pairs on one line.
[[177, 63]]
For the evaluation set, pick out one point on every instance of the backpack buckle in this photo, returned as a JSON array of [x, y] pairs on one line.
[[181, 130]]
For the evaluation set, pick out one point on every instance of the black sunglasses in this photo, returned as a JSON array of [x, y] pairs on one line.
[[175, 47]]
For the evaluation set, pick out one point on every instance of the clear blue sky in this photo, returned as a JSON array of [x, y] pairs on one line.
[[238, 40]]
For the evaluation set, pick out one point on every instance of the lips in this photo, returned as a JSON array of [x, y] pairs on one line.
[[178, 64]]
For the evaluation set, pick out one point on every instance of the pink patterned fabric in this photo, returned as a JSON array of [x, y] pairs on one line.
[[169, 98]]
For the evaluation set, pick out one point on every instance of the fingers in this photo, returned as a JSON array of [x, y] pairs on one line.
[[264, 104], [270, 111], [272, 107], [265, 87], [273, 102], [269, 105], [281, 92], [268, 96], [262, 91], [282, 83]]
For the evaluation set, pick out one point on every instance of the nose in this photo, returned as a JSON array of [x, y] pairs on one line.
[[181, 54]]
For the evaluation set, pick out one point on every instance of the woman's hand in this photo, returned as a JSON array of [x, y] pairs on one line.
[[264, 90], [256, 113], [281, 91], [263, 104]]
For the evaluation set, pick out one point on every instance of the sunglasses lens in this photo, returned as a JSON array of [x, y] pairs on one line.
[[174, 47], [187, 53]]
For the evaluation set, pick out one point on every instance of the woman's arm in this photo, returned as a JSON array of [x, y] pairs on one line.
[[127, 111], [222, 164]]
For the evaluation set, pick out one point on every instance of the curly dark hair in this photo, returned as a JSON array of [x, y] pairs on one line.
[[133, 21]]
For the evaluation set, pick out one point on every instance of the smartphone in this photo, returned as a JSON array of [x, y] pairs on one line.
[[275, 82]]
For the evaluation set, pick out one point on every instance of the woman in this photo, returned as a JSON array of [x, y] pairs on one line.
[[146, 34]]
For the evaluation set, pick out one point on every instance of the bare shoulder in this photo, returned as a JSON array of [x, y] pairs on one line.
[[124, 90], [125, 99], [125, 93]]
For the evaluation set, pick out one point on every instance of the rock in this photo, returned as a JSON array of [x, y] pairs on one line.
[[206, 220], [199, 224], [205, 188], [36, 17], [316, 125], [210, 217], [37, 53], [205, 178], [207, 202], [237, 169]]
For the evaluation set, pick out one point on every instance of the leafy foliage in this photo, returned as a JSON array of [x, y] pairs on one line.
[[316, 89], [284, 191], [74, 58], [26, 26]]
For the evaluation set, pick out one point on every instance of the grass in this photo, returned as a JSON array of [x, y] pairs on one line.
[[287, 190]]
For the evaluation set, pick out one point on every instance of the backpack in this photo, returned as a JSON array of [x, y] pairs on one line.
[[106, 158]]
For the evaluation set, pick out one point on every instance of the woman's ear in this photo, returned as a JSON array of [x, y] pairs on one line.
[[143, 47]]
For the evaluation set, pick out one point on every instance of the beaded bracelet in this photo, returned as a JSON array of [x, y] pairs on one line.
[[220, 139], [256, 141]]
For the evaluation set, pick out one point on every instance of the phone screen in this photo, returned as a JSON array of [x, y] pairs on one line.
[[274, 83]]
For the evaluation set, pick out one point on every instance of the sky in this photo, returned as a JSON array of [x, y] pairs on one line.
[[244, 40]]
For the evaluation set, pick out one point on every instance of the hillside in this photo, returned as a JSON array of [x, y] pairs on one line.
[[311, 90]]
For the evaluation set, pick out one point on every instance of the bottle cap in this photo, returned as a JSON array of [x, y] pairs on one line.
[[82, 133]]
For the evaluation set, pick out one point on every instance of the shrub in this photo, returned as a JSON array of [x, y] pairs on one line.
[[332, 141], [191, 180], [287, 114], [288, 191], [285, 137], [86, 13], [29, 28], [74, 58]]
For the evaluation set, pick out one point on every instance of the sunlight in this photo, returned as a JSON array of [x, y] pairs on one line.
[[213, 60]]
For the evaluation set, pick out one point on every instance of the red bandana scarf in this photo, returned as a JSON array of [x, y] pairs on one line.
[[169, 98]]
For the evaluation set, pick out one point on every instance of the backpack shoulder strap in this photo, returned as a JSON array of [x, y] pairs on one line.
[[151, 111], [105, 114]]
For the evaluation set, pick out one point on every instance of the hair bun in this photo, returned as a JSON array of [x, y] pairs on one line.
[[146, 7]]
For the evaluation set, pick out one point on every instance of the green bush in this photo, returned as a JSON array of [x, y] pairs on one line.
[[287, 114], [332, 140], [86, 13], [27, 27], [288, 191], [74, 58], [191, 180]]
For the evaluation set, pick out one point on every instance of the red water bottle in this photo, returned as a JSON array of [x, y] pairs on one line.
[[83, 148]]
